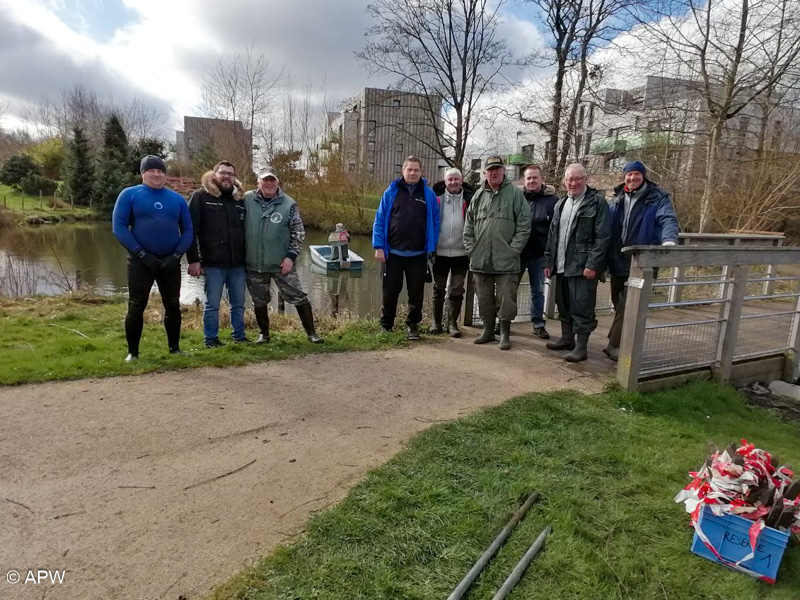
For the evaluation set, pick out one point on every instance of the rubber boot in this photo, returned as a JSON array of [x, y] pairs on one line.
[[488, 333], [452, 320], [611, 352], [505, 332], [438, 311], [566, 341], [307, 319], [581, 351], [262, 318]]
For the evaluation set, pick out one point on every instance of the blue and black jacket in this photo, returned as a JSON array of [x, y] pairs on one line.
[[380, 229], [652, 222]]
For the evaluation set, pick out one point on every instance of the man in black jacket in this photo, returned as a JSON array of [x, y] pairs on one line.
[[542, 199], [217, 212]]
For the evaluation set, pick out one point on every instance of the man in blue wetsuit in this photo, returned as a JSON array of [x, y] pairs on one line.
[[154, 224]]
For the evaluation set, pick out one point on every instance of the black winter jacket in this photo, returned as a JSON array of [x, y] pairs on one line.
[[542, 204], [218, 221]]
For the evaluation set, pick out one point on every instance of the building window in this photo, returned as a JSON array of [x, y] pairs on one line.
[[401, 126], [351, 167], [371, 167], [396, 102], [399, 148], [371, 145]]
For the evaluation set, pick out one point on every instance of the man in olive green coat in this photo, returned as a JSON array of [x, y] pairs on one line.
[[274, 236], [496, 229], [576, 254]]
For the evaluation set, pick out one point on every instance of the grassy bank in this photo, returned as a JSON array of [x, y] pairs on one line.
[[24, 207], [322, 210], [48, 339], [607, 467]]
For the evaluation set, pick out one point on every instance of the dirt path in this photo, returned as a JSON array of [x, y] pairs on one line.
[[104, 478]]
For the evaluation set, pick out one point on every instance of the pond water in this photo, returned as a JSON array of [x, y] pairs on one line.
[[48, 259]]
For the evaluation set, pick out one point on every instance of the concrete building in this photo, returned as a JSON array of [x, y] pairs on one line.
[[378, 129], [228, 139]]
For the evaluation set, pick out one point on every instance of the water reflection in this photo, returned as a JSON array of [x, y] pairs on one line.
[[48, 259]]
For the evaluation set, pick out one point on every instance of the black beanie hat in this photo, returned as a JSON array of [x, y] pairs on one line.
[[152, 162]]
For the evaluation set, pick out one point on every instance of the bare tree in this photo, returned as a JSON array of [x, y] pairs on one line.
[[448, 50], [578, 28], [738, 53], [241, 87]]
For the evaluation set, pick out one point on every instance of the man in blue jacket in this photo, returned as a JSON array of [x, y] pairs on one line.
[[641, 215], [154, 225], [405, 232]]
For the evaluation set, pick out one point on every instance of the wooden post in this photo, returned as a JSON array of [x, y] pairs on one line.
[[5, 201], [730, 313], [640, 285], [41, 201], [469, 300], [791, 364]]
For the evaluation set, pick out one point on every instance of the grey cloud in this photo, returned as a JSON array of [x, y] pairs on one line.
[[311, 39], [31, 68]]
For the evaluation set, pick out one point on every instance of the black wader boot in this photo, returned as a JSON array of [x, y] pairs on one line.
[[567, 339], [488, 333], [307, 319], [438, 311], [581, 351], [452, 320], [262, 318], [505, 332]]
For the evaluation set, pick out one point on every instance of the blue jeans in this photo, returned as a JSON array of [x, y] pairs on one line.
[[235, 280], [536, 276]]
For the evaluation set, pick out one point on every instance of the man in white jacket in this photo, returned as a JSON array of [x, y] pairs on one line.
[[451, 257]]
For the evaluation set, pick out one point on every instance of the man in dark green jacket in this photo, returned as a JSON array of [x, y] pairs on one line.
[[496, 229], [274, 236], [576, 254]]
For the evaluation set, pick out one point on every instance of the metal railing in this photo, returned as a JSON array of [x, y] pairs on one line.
[[735, 308]]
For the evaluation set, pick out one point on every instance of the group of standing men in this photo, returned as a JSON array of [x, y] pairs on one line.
[[499, 231], [496, 231], [235, 239]]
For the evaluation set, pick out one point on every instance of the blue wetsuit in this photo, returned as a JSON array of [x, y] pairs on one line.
[[157, 221]]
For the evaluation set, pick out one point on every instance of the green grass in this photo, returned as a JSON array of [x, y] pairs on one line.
[[47, 339], [24, 205], [607, 478]]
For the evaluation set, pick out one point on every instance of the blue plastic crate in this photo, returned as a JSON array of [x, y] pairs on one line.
[[730, 536]]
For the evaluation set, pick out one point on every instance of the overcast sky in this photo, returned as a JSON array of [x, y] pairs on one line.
[[157, 50]]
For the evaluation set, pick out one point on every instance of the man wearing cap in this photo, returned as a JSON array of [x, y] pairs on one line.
[[496, 229], [542, 200], [404, 234], [576, 256], [641, 215], [217, 211], [274, 236], [154, 225]]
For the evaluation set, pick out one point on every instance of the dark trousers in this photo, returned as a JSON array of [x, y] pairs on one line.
[[442, 268], [575, 298], [395, 269], [619, 293], [497, 296], [140, 282]]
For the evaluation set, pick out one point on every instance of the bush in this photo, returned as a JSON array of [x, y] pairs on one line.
[[34, 183], [17, 167]]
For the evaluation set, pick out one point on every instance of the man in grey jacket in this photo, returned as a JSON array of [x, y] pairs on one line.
[[451, 257], [576, 254]]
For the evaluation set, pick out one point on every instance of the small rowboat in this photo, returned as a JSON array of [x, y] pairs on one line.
[[323, 256]]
